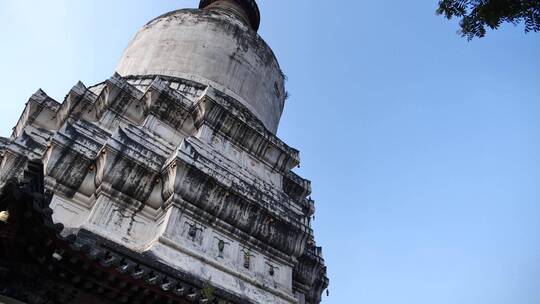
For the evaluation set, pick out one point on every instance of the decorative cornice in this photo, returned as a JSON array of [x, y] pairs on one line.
[[113, 141]]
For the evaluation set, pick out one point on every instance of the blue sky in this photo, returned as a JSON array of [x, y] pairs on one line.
[[423, 148]]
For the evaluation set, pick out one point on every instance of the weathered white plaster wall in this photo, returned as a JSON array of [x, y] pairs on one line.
[[214, 49]]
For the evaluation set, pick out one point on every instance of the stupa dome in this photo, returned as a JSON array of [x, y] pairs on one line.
[[216, 45]]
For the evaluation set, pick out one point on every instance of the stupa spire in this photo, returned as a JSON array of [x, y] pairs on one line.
[[246, 11]]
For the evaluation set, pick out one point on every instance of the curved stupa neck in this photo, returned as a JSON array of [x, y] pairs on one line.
[[246, 11]]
